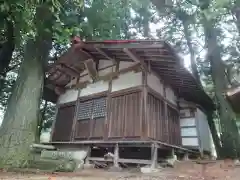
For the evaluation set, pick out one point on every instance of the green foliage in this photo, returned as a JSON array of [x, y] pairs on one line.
[[47, 115]]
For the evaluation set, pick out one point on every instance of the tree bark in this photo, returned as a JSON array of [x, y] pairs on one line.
[[211, 123], [236, 13], [18, 129], [229, 136], [6, 52], [187, 35], [19, 125], [216, 139]]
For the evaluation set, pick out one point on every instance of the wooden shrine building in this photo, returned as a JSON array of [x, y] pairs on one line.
[[127, 93]]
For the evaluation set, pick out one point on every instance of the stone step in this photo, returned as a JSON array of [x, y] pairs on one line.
[[53, 165], [38, 148], [44, 164], [78, 155], [43, 146]]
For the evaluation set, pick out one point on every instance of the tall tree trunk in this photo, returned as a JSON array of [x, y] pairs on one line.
[[230, 138], [6, 52], [18, 129], [146, 30], [187, 35], [236, 13], [214, 133], [19, 125], [211, 123], [183, 18]]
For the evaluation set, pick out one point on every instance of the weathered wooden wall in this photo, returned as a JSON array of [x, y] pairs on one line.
[[63, 125], [165, 128], [156, 84], [174, 126], [156, 122], [90, 129], [125, 116], [122, 120], [90, 119]]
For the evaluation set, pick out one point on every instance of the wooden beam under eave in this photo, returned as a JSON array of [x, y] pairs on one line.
[[158, 59], [91, 69], [71, 71], [105, 54], [108, 76], [134, 45], [136, 59]]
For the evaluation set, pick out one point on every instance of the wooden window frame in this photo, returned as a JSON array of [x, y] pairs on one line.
[[92, 99]]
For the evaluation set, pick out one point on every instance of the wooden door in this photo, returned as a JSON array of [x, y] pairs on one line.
[[63, 125], [99, 112], [82, 129]]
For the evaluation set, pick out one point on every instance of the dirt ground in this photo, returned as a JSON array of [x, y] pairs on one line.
[[219, 170]]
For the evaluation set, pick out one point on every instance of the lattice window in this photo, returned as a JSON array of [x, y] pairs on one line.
[[85, 110], [99, 107], [95, 108]]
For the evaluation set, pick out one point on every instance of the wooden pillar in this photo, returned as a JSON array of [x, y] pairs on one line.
[[144, 123], [107, 122], [185, 157], [154, 156], [76, 115], [88, 155], [116, 156], [172, 153], [166, 115], [54, 121]]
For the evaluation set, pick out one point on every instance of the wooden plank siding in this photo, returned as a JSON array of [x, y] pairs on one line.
[[63, 125], [91, 127], [82, 129], [156, 122], [173, 126], [124, 120]]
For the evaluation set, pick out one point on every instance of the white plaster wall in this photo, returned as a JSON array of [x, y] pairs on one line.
[[83, 78], [171, 95], [155, 83], [124, 81], [107, 71], [127, 80], [104, 63], [204, 131], [99, 86], [45, 137], [69, 96], [186, 112], [187, 122], [93, 88], [189, 131], [124, 64], [190, 142]]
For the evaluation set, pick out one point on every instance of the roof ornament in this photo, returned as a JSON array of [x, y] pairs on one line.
[[75, 40]]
